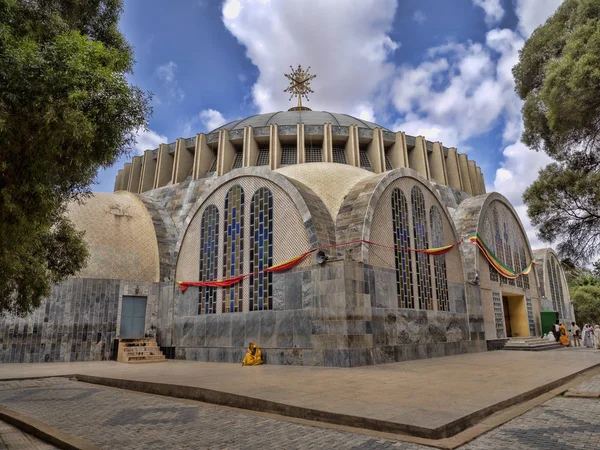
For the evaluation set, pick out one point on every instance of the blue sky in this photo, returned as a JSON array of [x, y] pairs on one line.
[[438, 68]]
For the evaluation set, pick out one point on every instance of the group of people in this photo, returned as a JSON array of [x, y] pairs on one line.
[[589, 336]]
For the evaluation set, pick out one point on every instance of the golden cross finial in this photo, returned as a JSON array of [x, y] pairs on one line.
[[299, 84]]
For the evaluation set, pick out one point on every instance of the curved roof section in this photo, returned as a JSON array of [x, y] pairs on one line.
[[120, 237], [296, 117], [330, 181]]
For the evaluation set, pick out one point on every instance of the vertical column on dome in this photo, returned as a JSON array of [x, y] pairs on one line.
[[398, 153], [352, 147], [274, 147], [203, 157], [164, 166], [473, 176], [327, 143], [300, 143], [453, 170], [437, 164], [126, 176], [148, 170], [134, 177], [376, 152], [225, 153], [250, 148], [481, 180], [463, 164], [184, 161], [119, 180], [417, 157]]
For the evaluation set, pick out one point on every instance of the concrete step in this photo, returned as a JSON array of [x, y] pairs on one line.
[[141, 349], [146, 358]]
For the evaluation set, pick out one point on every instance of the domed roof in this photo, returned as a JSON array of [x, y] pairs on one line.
[[295, 117], [120, 237], [321, 177]]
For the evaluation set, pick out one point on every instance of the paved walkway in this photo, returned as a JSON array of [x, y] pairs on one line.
[[112, 418], [426, 393], [12, 438]]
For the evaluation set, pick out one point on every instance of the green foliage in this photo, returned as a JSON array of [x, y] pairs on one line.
[[66, 109], [558, 76], [586, 302]]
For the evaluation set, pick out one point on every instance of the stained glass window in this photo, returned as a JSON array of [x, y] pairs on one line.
[[524, 265], [552, 283], [499, 246], [261, 250], [489, 239], [439, 261], [421, 241], [508, 260], [209, 253], [233, 248], [517, 258], [403, 257]]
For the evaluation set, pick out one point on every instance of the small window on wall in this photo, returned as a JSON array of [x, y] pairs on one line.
[[209, 256], [263, 157], [233, 248], [388, 163], [213, 166], [237, 162], [403, 258], [261, 250], [365, 162], [339, 155], [289, 155], [313, 154]]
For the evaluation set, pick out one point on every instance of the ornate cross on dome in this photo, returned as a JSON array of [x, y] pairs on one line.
[[299, 85]]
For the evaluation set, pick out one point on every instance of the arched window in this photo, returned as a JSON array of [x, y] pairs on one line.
[[233, 248], [421, 241], [403, 257], [261, 250], [439, 261], [209, 256]]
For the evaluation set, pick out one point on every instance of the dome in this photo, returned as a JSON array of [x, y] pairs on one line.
[[120, 237], [296, 117], [321, 177]]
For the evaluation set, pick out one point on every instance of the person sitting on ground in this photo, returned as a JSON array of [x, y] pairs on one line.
[[576, 336], [564, 338], [253, 356]]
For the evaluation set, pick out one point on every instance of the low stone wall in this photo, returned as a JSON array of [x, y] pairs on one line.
[[77, 322]]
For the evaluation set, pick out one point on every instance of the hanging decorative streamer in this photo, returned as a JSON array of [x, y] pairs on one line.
[[183, 285], [502, 269]]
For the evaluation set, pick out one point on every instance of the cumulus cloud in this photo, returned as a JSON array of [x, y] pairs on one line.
[[419, 17], [147, 140], [166, 73], [532, 14], [348, 49], [205, 121], [493, 10]]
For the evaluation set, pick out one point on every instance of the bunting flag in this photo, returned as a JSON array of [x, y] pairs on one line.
[[502, 269], [183, 285]]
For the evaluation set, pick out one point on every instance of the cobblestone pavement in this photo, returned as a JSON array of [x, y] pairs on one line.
[[113, 418], [591, 385], [12, 438]]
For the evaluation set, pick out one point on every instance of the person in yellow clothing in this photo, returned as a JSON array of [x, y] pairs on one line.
[[564, 338], [252, 357]]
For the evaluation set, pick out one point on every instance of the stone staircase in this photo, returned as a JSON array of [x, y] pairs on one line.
[[530, 343], [137, 351]]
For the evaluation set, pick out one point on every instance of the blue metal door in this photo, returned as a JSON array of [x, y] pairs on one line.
[[133, 317]]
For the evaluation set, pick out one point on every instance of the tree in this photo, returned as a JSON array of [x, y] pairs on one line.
[[558, 76], [586, 302], [66, 109]]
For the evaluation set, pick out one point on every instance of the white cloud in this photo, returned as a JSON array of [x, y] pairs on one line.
[[147, 140], [419, 17], [166, 73], [347, 47], [532, 13], [207, 120], [493, 10]]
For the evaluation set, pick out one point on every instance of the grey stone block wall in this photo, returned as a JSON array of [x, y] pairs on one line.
[[77, 322]]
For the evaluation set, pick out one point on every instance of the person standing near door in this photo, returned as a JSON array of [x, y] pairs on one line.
[[576, 334]]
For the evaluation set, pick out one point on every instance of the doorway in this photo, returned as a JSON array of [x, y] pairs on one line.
[[515, 315], [133, 317]]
